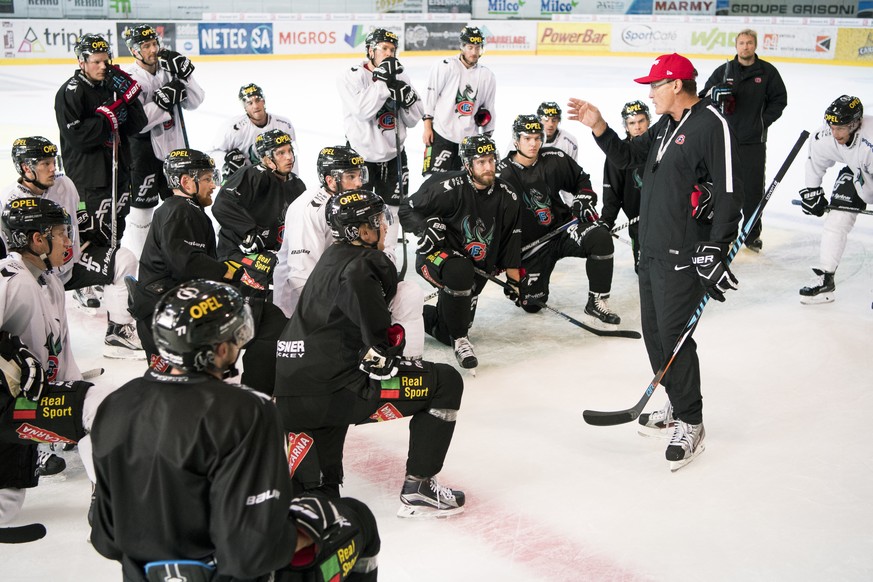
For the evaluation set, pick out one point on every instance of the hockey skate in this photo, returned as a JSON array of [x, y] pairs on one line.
[[821, 290], [685, 444], [424, 497], [48, 463], [122, 343], [599, 312], [657, 424], [464, 353], [87, 300], [755, 245]]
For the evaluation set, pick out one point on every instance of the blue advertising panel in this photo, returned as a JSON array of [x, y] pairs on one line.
[[237, 38]]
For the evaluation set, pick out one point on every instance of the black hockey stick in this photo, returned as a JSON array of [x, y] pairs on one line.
[[22, 534], [840, 208], [402, 274], [596, 331], [622, 416], [532, 247]]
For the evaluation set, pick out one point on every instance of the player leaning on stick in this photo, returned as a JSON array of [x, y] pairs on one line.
[[691, 143]]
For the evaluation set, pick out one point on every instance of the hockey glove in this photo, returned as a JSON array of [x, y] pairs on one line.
[[701, 203], [115, 113], [20, 371], [254, 242], [171, 94], [715, 275], [813, 201], [584, 206], [482, 118], [721, 92], [122, 83], [380, 362], [403, 94], [316, 516], [233, 161], [433, 236], [175, 63], [516, 291], [387, 70]]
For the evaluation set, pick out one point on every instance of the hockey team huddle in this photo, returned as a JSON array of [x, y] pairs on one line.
[[194, 476]]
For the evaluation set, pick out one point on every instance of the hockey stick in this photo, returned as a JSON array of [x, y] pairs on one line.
[[622, 416], [840, 208], [402, 274], [576, 322], [532, 247], [91, 374], [113, 236], [22, 534]]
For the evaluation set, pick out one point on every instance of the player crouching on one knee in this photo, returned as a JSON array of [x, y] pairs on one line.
[[339, 363]]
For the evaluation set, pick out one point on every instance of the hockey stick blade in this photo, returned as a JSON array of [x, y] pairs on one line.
[[22, 534], [840, 208], [596, 418], [91, 374]]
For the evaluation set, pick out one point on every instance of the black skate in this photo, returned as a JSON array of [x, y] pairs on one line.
[[598, 309], [685, 444], [821, 290], [465, 354], [427, 498]]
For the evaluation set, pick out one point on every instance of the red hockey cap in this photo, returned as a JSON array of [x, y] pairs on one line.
[[672, 66]]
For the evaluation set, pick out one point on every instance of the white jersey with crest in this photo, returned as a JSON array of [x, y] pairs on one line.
[[32, 308], [566, 142], [241, 132], [454, 95], [824, 152], [164, 129], [368, 118]]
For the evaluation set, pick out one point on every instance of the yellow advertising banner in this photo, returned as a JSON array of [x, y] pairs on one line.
[[855, 45], [573, 37]]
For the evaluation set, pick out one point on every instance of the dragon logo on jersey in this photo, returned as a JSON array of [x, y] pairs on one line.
[[465, 101], [538, 203], [385, 117], [477, 239], [54, 348]]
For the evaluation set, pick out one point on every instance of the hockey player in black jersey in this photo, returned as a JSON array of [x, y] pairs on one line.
[[539, 174], [192, 472], [339, 363], [180, 246], [250, 207]]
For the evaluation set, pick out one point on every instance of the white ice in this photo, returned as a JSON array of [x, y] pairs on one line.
[[783, 491]]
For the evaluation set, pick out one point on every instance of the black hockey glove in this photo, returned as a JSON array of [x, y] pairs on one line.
[[175, 63], [233, 161], [720, 92], [813, 201], [715, 275], [115, 112], [171, 94], [433, 236], [701, 203], [482, 118], [403, 94], [517, 290], [380, 362], [387, 70], [122, 83], [584, 206], [254, 241], [331, 532], [20, 371]]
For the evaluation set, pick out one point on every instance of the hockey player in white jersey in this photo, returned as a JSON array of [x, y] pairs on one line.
[[373, 94], [549, 113], [85, 264], [236, 142], [168, 86], [846, 138], [308, 235], [459, 103]]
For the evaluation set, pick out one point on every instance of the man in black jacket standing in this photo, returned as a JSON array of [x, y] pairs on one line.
[[690, 144], [751, 96]]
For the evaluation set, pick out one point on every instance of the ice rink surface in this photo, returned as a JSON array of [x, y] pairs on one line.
[[783, 491]]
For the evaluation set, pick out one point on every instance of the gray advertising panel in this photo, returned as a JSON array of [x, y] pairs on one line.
[[832, 8], [86, 8], [453, 6], [432, 36]]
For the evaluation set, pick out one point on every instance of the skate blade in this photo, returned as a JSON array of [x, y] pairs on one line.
[[656, 433], [419, 511], [601, 325], [817, 299], [676, 465], [117, 353]]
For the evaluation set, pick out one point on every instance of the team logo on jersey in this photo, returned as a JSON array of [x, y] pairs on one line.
[[680, 139], [538, 203], [465, 101], [53, 347], [477, 239]]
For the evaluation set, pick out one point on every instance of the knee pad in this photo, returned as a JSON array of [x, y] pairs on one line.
[[457, 275], [599, 244]]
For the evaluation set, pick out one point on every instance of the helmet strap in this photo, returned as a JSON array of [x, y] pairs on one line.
[[33, 181]]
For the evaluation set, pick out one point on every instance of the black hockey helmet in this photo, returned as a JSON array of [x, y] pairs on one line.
[[193, 318], [250, 90], [472, 35], [527, 124], [89, 43], [845, 110], [348, 210], [186, 161], [335, 160], [632, 108], [549, 109], [24, 216], [30, 150], [476, 146], [271, 139], [134, 37], [378, 35]]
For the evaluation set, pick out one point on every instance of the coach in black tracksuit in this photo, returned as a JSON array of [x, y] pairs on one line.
[[756, 98], [691, 143]]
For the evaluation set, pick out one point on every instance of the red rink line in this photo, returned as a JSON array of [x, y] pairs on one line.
[[509, 533]]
